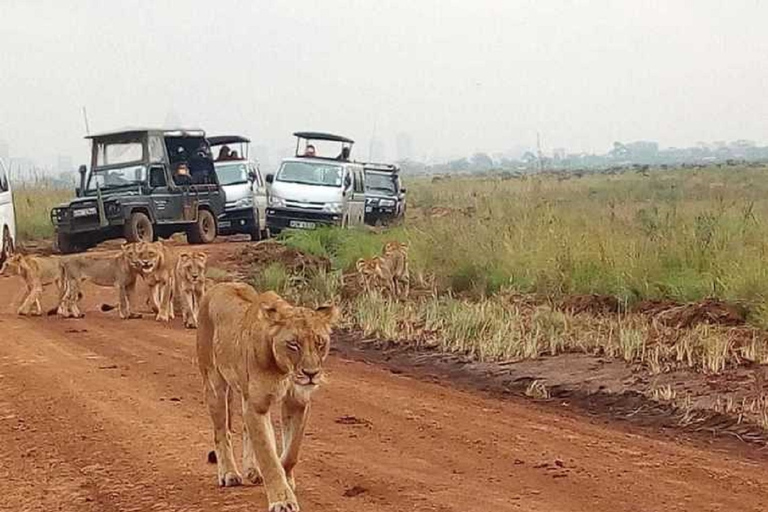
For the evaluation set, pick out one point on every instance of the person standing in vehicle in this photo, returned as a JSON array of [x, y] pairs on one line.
[[310, 151], [181, 175]]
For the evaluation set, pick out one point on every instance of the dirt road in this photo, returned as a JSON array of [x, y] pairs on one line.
[[102, 414]]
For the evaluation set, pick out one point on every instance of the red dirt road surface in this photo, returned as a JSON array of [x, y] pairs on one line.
[[101, 415]]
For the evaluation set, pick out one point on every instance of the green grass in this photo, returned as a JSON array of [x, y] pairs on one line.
[[678, 234], [33, 205]]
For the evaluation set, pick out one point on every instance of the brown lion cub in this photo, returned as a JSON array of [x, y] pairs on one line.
[[190, 284], [271, 352], [155, 264], [118, 271], [395, 255], [37, 273]]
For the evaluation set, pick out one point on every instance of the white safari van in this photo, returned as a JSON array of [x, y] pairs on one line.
[[7, 216], [310, 190]]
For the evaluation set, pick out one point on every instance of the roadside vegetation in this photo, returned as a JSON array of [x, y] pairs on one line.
[[33, 203]]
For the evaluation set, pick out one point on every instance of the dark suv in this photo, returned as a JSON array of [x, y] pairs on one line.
[[144, 183], [384, 194]]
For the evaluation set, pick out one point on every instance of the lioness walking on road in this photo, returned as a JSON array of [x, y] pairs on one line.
[[37, 272], [270, 352]]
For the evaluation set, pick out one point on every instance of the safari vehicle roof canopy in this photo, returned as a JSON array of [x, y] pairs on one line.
[[373, 166], [346, 143], [225, 141], [134, 132]]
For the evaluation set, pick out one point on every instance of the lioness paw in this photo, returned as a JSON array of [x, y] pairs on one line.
[[253, 475], [230, 480], [284, 506]]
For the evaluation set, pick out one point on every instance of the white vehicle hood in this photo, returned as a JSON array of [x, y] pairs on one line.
[[301, 193]]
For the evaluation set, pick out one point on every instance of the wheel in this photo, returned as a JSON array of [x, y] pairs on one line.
[[66, 244], [256, 235], [8, 247], [139, 228], [204, 230]]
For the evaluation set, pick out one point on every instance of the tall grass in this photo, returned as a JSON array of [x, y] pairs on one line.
[[679, 234], [33, 203]]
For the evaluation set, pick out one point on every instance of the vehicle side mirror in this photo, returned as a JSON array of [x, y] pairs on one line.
[[269, 178], [252, 175], [81, 189], [347, 181], [402, 189]]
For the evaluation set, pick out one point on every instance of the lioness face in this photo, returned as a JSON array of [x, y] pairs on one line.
[[193, 266], [147, 256], [12, 266], [301, 342]]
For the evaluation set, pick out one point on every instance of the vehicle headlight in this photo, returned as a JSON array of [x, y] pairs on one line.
[[333, 207], [277, 202], [387, 202], [112, 208], [371, 200], [245, 202]]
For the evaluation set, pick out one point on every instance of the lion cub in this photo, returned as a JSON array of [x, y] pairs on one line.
[[37, 273], [271, 352], [190, 284]]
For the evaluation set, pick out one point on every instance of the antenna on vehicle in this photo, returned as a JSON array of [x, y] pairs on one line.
[[373, 139], [538, 151], [85, 118]]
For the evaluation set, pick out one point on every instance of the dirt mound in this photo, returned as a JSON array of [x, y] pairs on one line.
[[265, 253], [593, 304], [709, 311], [652, 307]]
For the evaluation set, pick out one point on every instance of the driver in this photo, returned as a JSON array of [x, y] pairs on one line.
[[310, 151]]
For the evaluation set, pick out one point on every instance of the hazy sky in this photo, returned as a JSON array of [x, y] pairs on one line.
[[459, 76]]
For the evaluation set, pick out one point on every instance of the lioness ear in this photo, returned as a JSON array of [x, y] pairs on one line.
[[273, 315], [184, 255], [329, 312]]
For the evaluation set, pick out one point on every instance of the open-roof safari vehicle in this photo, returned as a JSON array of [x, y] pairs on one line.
[[244, 188], [143, 183], [311, 189], [384, 194]]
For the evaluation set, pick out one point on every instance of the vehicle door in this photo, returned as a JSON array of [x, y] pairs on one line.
[[259, 196], [170, 202], [7, 217], [356, 199]]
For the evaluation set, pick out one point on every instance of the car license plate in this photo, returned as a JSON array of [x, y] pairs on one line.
[[225, 223], [368, 209], [84, 212], [300, 224]]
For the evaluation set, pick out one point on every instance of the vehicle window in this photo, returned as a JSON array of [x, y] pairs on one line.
[[118, 153], [310, 173], [156, 149], [258, 181], [359, 184], [3, 179], [232, 174], [121, 177], [157, 177], [380, 183]]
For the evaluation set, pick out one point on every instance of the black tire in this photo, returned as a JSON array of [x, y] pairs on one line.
[[203, 231], [139, 228], [66, 244], [256, 235]]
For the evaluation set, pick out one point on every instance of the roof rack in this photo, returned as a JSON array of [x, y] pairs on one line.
[[323, 136], [220, 140], [376, 166]]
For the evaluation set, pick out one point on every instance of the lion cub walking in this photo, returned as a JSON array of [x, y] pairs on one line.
[[388, 271], [271, 352], [190, 284], [37, 272]]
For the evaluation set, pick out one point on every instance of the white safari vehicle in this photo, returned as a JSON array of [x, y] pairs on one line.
[[7, 216], [310, 190]]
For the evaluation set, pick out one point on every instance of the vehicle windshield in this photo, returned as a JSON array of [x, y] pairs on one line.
[[310, 173], [232, 174], [131, 175], [380, 182]]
